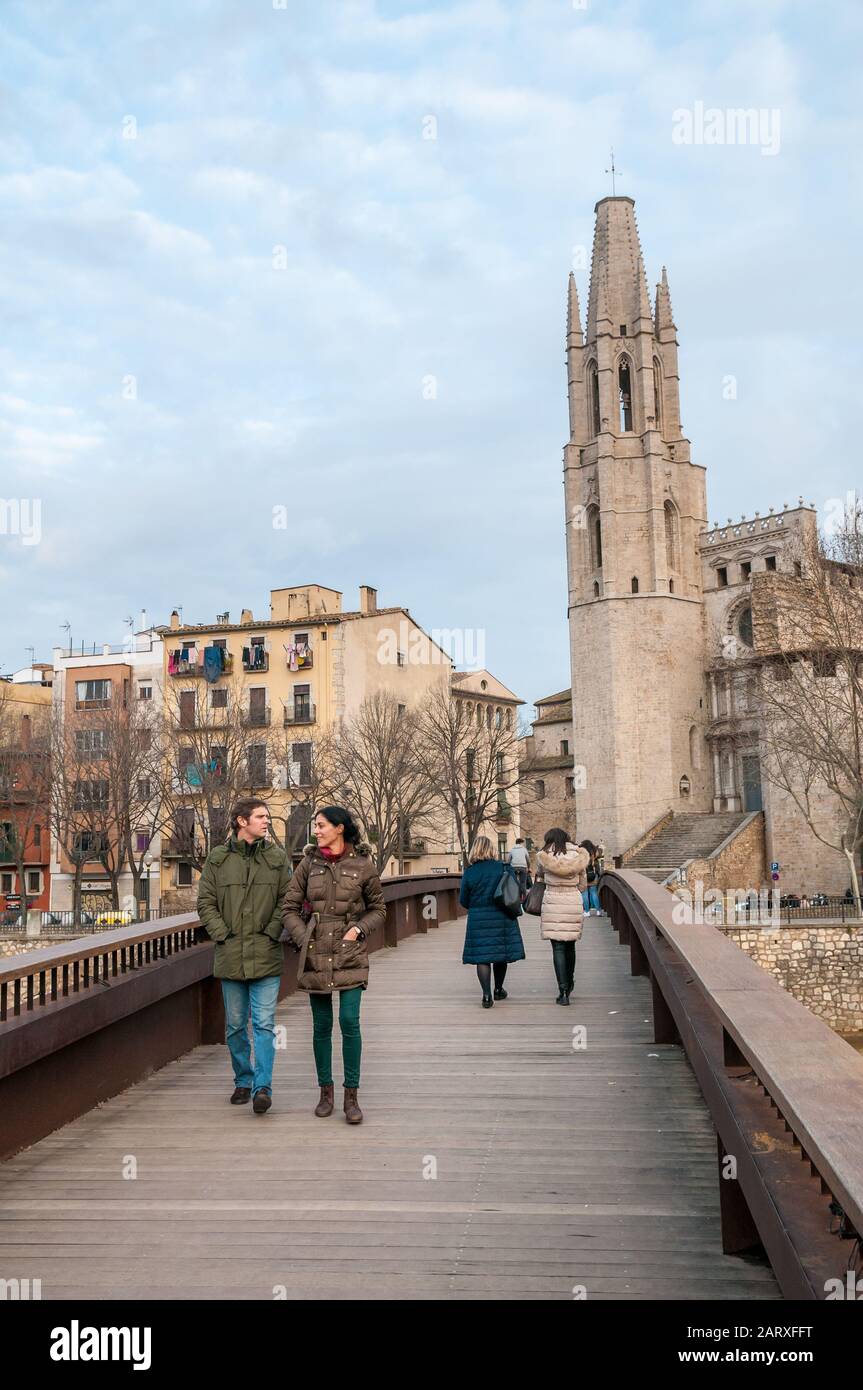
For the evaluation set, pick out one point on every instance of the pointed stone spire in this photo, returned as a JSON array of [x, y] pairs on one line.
[[573, 316], [664, 317], [598, 313], [617, 272]]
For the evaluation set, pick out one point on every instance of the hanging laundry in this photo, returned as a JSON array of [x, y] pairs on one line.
[[212, 663], [246, 656]]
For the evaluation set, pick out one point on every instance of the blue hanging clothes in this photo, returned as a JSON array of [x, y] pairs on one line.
[[212, 663]]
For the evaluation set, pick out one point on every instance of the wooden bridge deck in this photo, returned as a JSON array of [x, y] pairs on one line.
[[556, 1167]]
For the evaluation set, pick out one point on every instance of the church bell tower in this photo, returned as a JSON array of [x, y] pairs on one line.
[[635, 504]]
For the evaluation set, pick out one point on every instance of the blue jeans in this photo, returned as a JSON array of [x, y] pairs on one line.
[[258, 996], [590, 897]]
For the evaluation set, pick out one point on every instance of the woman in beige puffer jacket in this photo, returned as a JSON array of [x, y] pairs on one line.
[[564, 868]]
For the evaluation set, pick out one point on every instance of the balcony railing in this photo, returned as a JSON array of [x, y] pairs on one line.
[[412, 849], [301, 663], [93, 704], [194, 668], [8, 849], [258, 775], [184, 847], [262, 663], [503, 815], [256, 718], [300, 714]]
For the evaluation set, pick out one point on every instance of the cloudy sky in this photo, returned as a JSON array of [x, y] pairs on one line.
[[283, 253]]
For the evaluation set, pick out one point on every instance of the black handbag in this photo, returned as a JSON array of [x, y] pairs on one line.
[[533, 901], [507, 895]]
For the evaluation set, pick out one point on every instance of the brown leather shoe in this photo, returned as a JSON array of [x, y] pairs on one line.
[[242, 1095], [324, 1106], [353, 1113], [262, 1101]]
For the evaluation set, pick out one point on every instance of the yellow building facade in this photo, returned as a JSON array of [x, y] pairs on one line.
[[301, 670]]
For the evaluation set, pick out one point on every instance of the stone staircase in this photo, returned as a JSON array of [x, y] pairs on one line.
[[687, 836]]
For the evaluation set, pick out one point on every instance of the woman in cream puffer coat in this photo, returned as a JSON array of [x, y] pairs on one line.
[[564, 868]]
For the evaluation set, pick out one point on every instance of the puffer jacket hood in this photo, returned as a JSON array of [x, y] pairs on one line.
[[562, 913], [568, 865], [361, 848]]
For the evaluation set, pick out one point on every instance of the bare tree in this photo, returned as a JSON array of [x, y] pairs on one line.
[[212, 755], [132, 757], [470, 762], [82, 810], [304, 767], [378, 770], [811, 626]]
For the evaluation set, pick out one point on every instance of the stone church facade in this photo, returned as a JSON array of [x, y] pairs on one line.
[[665, 675]]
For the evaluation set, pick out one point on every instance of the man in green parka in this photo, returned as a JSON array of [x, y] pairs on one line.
[[240, 905]]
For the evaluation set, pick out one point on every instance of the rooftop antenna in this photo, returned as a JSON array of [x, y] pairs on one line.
[[32, 651], [614, 172], [67, 627]]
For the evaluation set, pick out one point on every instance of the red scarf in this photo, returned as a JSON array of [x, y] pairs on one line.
[[330, 854]]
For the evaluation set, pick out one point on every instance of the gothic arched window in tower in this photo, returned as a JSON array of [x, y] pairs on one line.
[[594, 531], [744, 627], [657, 392], [635, 583], [624, 385], [672, 548], [593, 398]]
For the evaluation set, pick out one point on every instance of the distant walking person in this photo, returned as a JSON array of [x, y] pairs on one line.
[[338, 882], [240, 907], [564, 868], [519, 858], [590, 895], [492, 938]]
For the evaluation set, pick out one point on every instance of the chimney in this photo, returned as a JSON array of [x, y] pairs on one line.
[[143, 624], [246, 616], [175, 619], [368, 600]]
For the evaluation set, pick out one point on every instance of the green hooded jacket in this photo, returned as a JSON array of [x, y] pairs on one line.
[[239, 903]]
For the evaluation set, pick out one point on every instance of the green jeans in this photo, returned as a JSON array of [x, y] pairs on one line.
[[322, 1041]]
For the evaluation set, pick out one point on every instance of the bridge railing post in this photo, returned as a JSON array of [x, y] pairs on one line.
[[739, 1232], [637, 957]]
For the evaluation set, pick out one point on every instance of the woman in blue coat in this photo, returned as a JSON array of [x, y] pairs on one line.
[[492, 938]]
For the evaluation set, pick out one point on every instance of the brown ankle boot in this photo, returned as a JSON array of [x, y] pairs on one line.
[[353, 1113], [325, 1104]]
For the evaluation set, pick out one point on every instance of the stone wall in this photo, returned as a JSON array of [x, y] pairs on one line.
[[821, 966], [22, 944], [739, 864]]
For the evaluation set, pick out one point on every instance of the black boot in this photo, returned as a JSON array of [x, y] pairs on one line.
[[570, 982], [561, 971]]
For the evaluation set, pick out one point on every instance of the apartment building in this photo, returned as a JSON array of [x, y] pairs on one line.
[[293, 675]]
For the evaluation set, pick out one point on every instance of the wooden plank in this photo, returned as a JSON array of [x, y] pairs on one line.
[[555, 1166]]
